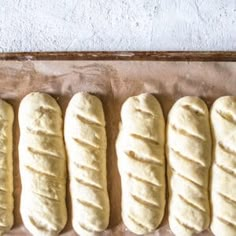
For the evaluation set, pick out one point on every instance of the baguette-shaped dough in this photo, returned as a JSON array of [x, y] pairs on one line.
[[141, 163], [188, 156], [42, 165], [86, 144], [223, 176], [6, 167]]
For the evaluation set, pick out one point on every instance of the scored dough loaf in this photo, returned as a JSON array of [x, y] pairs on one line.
[[188, 152], [223, 176], [86, 144], [141, 163], [42, 165], [6, 167]]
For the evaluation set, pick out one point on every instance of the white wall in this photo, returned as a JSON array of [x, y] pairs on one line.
[[49, 25]]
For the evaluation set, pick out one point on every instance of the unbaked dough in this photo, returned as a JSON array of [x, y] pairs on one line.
[[141, 163], [188, 152], [42, 165], [86, 144], [6, 167], [223, 187]]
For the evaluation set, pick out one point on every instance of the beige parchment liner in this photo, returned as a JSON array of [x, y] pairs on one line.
[[112, 82]]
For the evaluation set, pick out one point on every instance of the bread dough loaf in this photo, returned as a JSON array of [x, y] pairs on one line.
[[189, 157], [86, 144], [42, 165], [140, 151], [223, 186], [6, 167]]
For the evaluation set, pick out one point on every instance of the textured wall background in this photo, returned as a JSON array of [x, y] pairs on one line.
[[55, 25]]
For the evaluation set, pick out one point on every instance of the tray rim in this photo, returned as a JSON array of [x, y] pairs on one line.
[[122, 56]]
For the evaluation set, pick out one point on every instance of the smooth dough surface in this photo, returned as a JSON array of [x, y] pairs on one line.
[[86, 143], [141, 163], [189, 157], [42, 165], [223, 176], [6, 167]]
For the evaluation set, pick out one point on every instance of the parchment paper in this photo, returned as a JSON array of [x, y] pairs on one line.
[[112, 82]]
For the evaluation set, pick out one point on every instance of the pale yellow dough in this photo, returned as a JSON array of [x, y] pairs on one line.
[[86, 144], [141, 163], [188, 152], [42, 165], [6, 167], [223, 176]]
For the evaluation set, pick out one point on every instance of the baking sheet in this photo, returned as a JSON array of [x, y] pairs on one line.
[[112, 82]]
